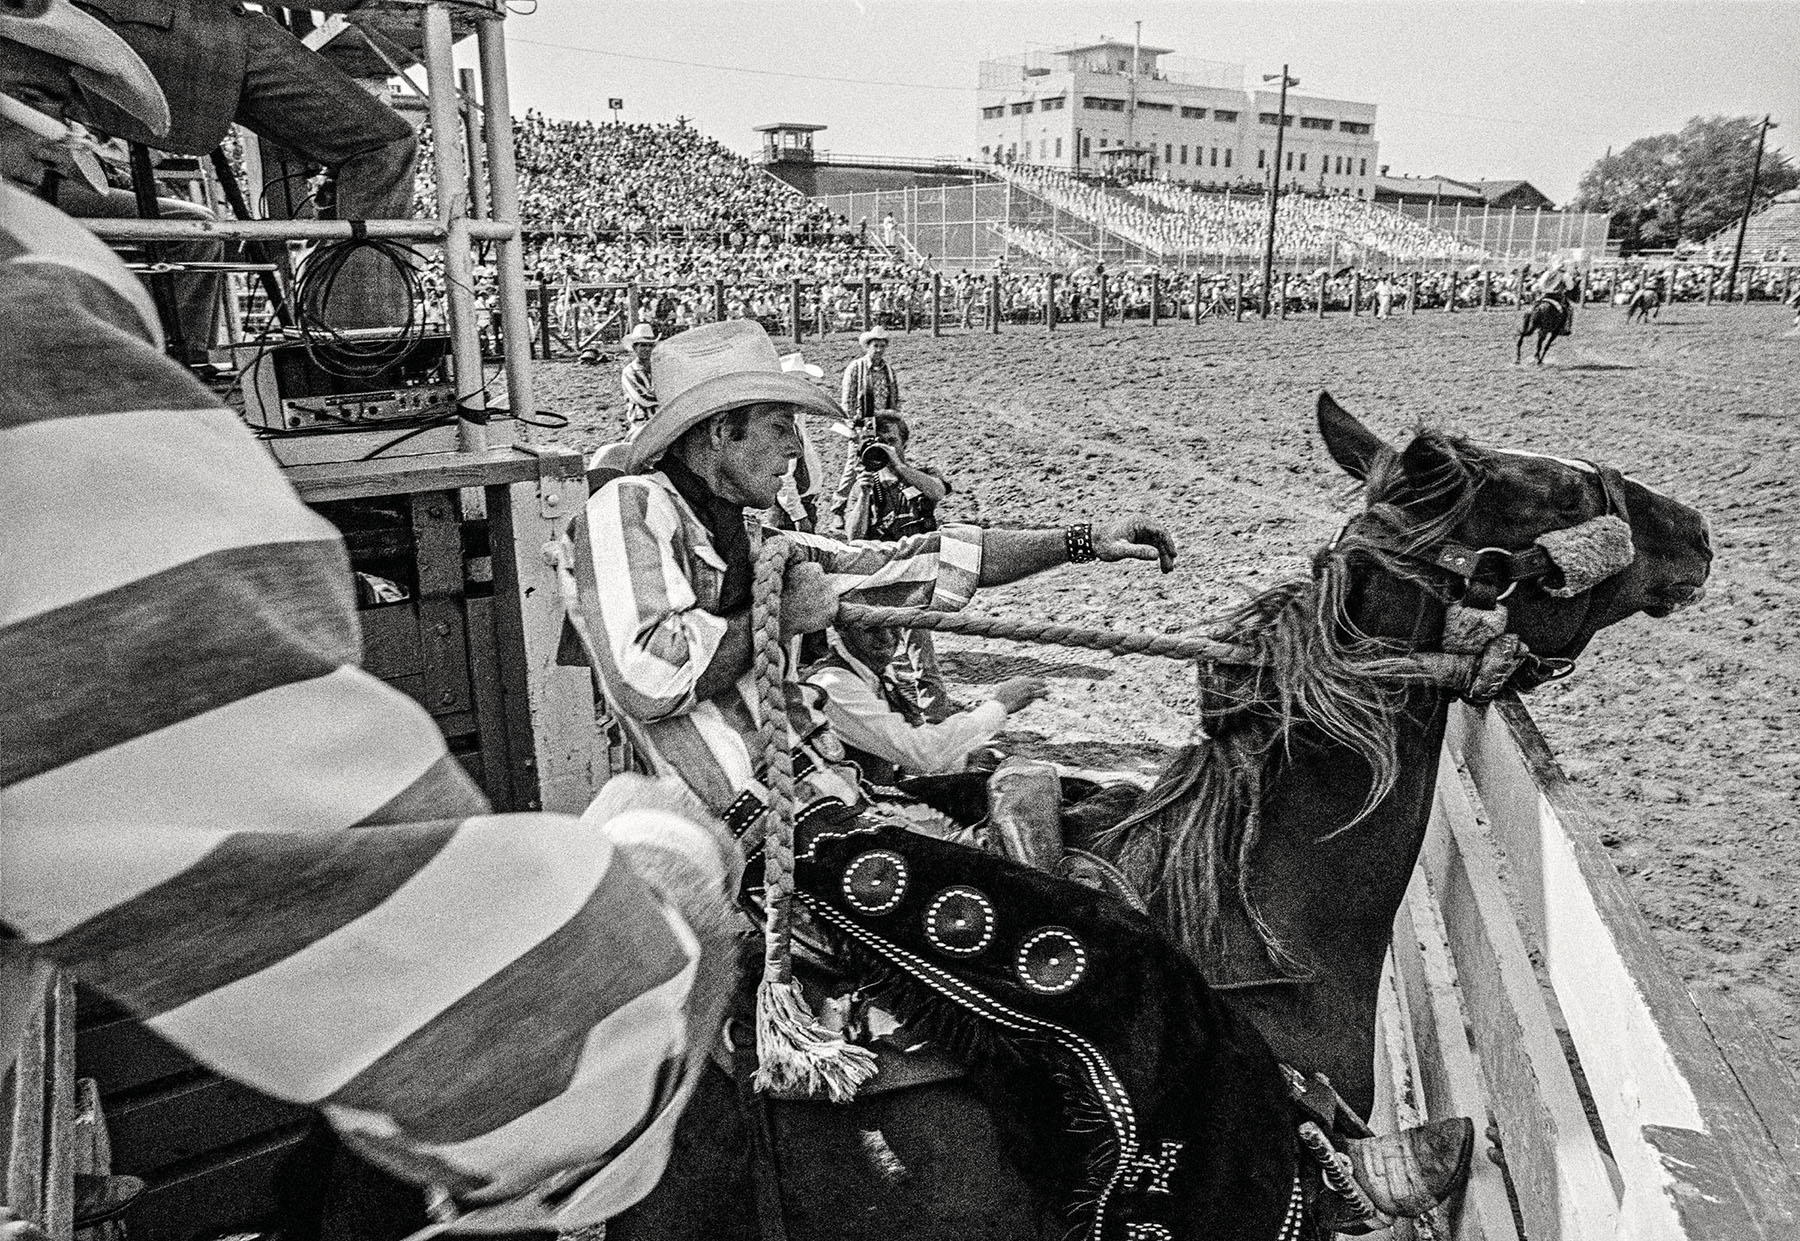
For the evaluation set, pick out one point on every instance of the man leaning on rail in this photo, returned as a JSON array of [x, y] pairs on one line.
[[186, 740], [675, 559]]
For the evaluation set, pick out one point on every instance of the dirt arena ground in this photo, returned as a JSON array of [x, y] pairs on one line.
[[1684, 734]]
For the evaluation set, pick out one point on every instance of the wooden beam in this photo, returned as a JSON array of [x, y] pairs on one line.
[[1697, 1157], [1564, 1191]]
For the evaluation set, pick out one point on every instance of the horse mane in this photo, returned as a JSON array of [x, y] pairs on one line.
[[1190, 839]]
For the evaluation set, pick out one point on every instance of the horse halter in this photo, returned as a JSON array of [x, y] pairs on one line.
[[1483, 657]]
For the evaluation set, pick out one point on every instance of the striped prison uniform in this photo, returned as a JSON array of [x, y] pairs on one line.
[[508, 1006], [640, 396], [656, 630]]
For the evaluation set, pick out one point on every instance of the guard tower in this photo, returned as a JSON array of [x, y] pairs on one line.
[[788, 142]]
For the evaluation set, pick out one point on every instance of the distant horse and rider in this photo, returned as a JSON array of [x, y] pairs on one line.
[[1645, 304], [1552, 314]]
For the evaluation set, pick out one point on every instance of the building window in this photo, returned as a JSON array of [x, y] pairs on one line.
[[1363, 171], [1168, 153], [1214, 161], [1356, 127], [1314, 122], [1290, 166], [1193, 114], [1262, 159], [1156, 107], [1052, 105], [1019, 109], [1223, 114], [1043, 147], [1100, 103], [1228, 157], [1184, 152], [988, 114], [1303, 161], [1012, 150], [1269, 118], [1059, 148]]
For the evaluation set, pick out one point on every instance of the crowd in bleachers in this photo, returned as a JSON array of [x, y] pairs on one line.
[[1172, 220]]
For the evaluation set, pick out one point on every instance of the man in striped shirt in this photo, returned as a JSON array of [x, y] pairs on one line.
[[674, 556], [187, 735]]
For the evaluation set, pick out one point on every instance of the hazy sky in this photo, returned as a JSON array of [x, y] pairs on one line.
[[1474, 90]]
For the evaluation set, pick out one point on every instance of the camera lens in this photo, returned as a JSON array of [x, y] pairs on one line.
[[874, 456]]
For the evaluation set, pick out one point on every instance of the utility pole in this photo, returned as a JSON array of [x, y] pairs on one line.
[[1737, 252], [1137, 44], [1275, 186]]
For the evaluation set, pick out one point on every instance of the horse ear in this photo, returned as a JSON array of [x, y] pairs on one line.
[[1428, 459], [1352, 445]]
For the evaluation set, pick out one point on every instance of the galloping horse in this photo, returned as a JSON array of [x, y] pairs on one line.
[[1275, 852], [1549, 317], [1645, 303]]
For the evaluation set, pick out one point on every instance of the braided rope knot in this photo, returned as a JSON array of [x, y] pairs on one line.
[[794, 1051]]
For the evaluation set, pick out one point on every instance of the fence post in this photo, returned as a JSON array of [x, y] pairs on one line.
[[1450, 300], [1711, 277], [866, 324], [1237, 301], [937, 309], [543, 299], [1049, 301], [719, 301], [994, 303], [909, 305], [1155, 297], [631, 305], [1487, 288], [1321, 293], [1103, 300], [1199, 287], [1412, 302], [575, 319], [1282, 297], [794, 308], [1356, 293], [1748, 279]]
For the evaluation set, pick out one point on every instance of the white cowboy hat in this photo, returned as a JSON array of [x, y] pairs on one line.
[[642, 334], [875, 333], [796, 364], [713, 368], [102, 64]]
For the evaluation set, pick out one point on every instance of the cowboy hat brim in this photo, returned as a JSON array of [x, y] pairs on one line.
[[103, 63], [688, 409]]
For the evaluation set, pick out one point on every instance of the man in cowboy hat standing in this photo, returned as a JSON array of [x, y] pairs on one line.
[[672, 631], [869, 388], [634, 378]]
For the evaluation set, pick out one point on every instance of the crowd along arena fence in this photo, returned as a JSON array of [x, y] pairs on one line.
[[585, 316]]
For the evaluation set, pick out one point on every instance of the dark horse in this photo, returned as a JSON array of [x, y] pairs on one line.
[[1549, 317], [1645, 303], [1276, 852]]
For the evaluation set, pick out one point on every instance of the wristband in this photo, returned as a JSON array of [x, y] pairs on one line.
[[1078, 541]]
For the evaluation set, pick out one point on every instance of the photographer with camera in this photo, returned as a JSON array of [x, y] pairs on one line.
[[890, 499], [869, 388]]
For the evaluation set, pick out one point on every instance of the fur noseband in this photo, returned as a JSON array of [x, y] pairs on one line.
[[1588, 554]]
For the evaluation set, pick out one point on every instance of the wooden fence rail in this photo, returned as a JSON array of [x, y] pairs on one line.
[[1525, 989]]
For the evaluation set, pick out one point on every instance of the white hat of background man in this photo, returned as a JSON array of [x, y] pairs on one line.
[[102, 64], [642, 334], [713, 368], [875, 333]]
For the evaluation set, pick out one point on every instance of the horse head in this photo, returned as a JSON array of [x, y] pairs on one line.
[[1277, 848]]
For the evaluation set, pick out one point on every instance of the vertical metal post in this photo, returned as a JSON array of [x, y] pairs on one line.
[[1237, 300], [794, 308], [1356, 293], [1281, 297], [503, 188], [1321, 293], [634, 305], [1274, 198], [937, 308], [459, 274], [1049, 301], [994, 303], [1199, 287], [1155, 297], [1712, 277], [1102, 275], [465, 85], [718, 292], [543, 301], [1450, 297], [1412, 302]]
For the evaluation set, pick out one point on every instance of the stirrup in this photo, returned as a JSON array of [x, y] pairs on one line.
[[1410, 1172], [1025, 813]]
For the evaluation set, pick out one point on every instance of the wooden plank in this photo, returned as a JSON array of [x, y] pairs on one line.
[[24, 1116], [1449, 1078], [344, 480], [558, 760], [390, 635], [1758, 1068], [1696, 1157], [190, 1120], [490, 702], [239, 1191], [59, 1110], [1563, 1189], [437, 543]]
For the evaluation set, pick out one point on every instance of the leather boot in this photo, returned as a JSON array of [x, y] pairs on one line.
[[1025, 813], [1409, 1172]]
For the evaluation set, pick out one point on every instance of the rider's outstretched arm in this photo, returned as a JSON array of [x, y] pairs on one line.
[[1015, 554]]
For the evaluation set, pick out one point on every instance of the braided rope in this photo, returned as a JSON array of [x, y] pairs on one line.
[[871, 617], [774, 740]]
